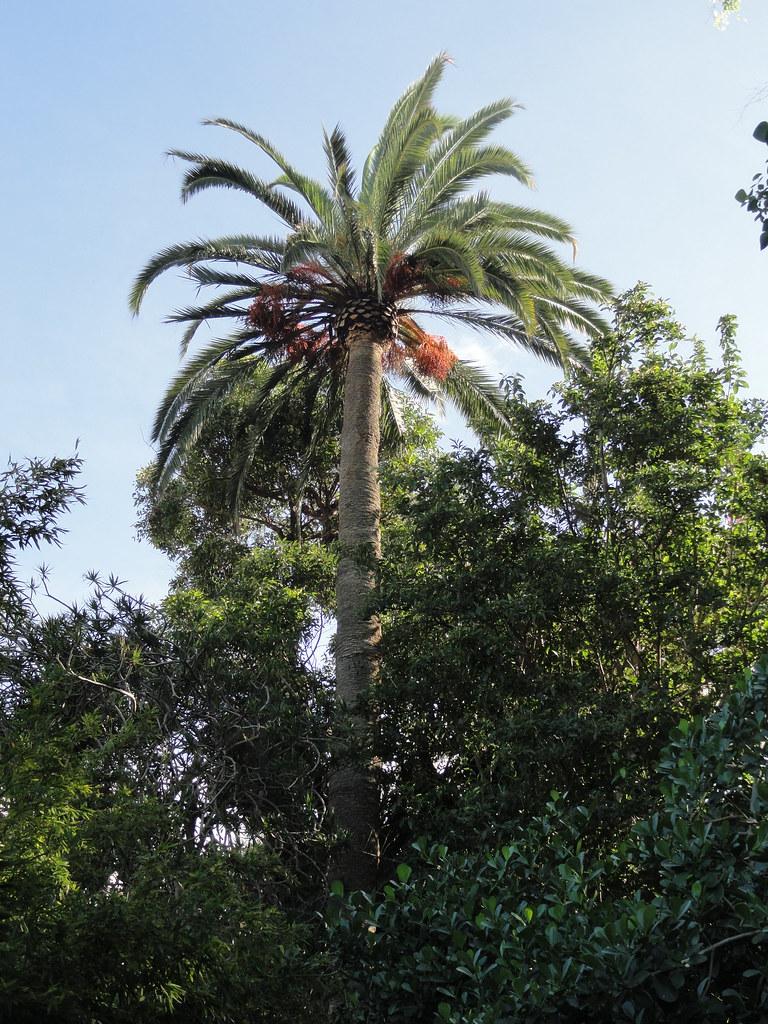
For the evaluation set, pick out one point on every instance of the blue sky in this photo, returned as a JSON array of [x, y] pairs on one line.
[[637, 122]]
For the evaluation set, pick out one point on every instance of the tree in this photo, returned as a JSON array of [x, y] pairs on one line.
[[756, 200], [337, 303], [161, 823], [723, 9], [554, 601]]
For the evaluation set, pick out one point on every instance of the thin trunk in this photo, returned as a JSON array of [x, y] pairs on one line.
[[295, 517], [353, 793]]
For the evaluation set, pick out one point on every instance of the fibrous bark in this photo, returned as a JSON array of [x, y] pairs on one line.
[[353, 793]]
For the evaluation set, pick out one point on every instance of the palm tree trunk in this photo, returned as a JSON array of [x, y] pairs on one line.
[[353, 792]]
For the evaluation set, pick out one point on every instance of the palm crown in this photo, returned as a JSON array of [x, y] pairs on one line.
[[404, 244], [335, 310]]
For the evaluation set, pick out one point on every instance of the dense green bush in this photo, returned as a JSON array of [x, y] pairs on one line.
[[160, 818], [668, 924], [556, 600]]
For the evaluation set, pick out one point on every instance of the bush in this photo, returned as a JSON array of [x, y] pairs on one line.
[[668, 925]]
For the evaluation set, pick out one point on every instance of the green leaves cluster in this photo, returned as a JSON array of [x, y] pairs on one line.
[[161, 777], [756, 199], [556, 600], [409, 237], [670, 923]]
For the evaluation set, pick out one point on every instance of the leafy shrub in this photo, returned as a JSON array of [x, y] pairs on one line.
[[670, 924]]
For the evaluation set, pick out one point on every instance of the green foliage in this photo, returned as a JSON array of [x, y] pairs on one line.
[[161, 806], [168, 933], [756, 199], [555, 601], [287, 490], [532, 929], [33, 496], [723, 9]]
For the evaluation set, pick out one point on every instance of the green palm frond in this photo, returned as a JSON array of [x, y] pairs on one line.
[[590, 287], [396, 170], [451, 253], [412, 126], [464, 168], [477, 397], [312, 192], [222, 307], [194, 373], [271, 392], [552, 326], [264, 253], [308, 245], [194, 404], [213, 277], [480, 215], [341, 173], [416, 98], [210, 172], [503, 325], [435, 181], [574, 313]]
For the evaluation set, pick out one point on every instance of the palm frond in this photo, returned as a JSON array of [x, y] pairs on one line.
[[392, 418], [194, 405], [462, 169], [591, 287], [574, 313], [213, 277], [193, 374], [341, 173], [409, 131], [423, 389], [468, 134], [264, 253], [450, 253], [210, 172], [416, 98], [477, 397], [312, 192], [550, 324], [222, 307], [503, 325]]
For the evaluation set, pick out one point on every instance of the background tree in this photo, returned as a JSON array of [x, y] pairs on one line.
[[756, 199], [340, 299], [554, 602], [161, 785], [723, 9]]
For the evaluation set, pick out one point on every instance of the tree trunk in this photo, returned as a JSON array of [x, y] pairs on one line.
[[353, 792]]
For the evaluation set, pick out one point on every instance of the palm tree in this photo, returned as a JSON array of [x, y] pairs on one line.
[[335, 308]]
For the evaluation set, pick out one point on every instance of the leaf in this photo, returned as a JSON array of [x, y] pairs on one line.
[[404, 872], [664, 990], [761, 132]]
